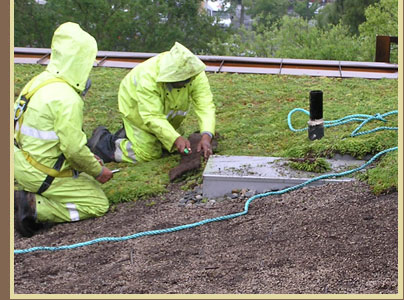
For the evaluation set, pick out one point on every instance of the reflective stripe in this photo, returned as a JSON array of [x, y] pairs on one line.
[[134, 81], [118, 151], [180, 113], [74, 214], [36, 133], [172, 114], [131, 153], [169, 114]]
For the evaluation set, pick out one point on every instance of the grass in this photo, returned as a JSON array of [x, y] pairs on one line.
[[317, 165], [252, 115]]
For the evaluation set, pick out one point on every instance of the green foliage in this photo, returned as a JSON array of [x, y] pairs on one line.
[[269, 11], [350, 13], [260, 104], [292, 37], [154, 26], [305, 9], [32, 28], [108, 21], [140, 180], [380, 178], [295, 38], [381, 19], [119, 25], [159, 25]]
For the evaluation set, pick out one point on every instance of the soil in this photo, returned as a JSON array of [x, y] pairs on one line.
[[336, 238]]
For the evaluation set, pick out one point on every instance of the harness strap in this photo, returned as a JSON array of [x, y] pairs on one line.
[[42, 84], [54, 172], [22, 103], [51, 173], [49, 179], [24, 100]]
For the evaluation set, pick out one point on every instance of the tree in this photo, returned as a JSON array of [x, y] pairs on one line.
[[32, 28], [349, 12], [305, 9], [296, 38], [158, 24], [119, 25], [381, 19], [106, 20], [269, 11], [293, 37], [244, 5]]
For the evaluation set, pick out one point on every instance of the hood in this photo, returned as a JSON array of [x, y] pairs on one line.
[[179, 64], [73, 54]]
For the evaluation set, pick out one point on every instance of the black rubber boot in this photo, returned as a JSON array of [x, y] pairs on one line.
[[102, 144], [24, 213], [120, 134]]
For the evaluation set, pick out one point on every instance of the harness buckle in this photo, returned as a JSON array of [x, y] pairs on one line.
[[19, 109]]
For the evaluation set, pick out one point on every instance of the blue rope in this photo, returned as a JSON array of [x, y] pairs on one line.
[[247, 204], [358, 117]]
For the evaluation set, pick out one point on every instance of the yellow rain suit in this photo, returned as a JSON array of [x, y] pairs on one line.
[[152, 110], [52, 124]]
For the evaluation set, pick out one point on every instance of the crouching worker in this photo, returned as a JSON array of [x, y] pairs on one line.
[[59, 174], [153, 100]]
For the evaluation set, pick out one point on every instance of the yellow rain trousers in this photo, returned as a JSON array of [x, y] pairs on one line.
[[152, 110], [52, 124]]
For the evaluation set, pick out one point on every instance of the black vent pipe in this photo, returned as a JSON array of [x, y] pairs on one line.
[[316, 123]]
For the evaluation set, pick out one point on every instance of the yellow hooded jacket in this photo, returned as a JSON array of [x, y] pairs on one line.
[[53, 122], [150, 104]]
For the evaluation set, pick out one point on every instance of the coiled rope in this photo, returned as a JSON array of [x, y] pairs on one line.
[[364, 118], [351, 118]]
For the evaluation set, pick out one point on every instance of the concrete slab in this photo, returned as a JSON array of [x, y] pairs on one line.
[[223, 174]]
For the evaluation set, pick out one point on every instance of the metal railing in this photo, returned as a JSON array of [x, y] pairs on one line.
[[234, 64]]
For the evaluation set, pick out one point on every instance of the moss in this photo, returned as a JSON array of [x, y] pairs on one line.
[[251, 117], [316, 165]]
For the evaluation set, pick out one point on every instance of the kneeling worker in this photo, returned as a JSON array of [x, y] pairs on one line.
[[59, 174], [153, 100]]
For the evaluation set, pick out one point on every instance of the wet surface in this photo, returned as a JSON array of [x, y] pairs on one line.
[[331, 239], [224, 173]]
